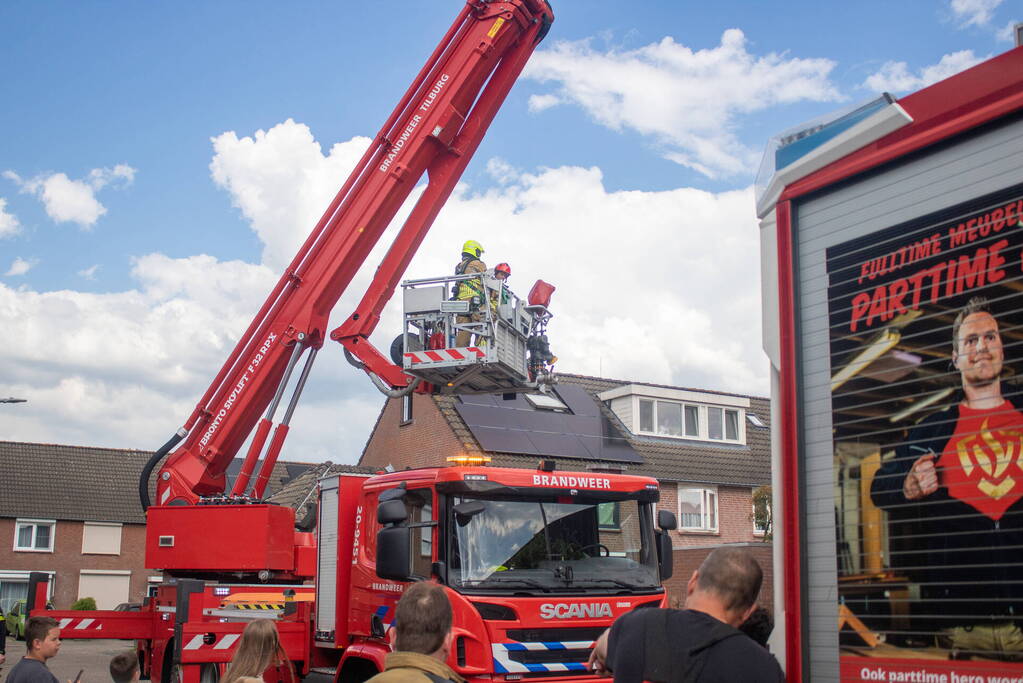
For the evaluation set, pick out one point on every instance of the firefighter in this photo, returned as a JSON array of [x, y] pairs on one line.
[[502, 271], [470, 290]]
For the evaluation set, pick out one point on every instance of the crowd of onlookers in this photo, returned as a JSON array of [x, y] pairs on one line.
[[721, 635]]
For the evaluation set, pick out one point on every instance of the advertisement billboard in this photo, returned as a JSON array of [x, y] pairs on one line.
[[926, 352]]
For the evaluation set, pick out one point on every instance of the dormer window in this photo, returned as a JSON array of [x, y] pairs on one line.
[[680, 414]]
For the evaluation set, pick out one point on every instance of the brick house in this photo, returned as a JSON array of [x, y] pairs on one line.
[[709, 450], [73, 512]]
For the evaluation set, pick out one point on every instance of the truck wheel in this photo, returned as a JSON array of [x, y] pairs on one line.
[[357, 671], [209, 673]]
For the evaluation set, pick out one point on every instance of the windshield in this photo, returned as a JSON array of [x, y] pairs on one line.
[[550, 545]]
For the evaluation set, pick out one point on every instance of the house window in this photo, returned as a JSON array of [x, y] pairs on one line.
[[761, 516], [689, 420], [646, 416], [608, 516], [34, 535], [406, 409], [722, 424], [546, 402], [692, 421], [698, 509], [669, 418], [99, 538]]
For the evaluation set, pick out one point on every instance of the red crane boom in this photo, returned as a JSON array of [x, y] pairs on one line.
[[434, 130]]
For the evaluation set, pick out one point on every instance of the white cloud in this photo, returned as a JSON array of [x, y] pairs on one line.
[[896, 76], [90, 272], [74, 201], [282, 182], [652, 286], [538, 103], [974, 12], [689, 101], [9, 224], [19, 267]]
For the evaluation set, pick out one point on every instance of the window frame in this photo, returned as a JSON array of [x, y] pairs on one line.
[[702, 410], [109, 525], [405, 416], [35, 524], [753, 517], [705, 493], [616, 517]]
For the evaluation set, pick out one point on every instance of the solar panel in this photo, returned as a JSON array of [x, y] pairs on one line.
[[515, 426]]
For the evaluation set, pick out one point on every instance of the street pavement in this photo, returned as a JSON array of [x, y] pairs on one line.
[[91, 655]]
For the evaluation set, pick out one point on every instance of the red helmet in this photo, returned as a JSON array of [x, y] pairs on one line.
[[502, 268]]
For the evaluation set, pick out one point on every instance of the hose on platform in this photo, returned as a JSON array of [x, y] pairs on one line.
[[379, 383]]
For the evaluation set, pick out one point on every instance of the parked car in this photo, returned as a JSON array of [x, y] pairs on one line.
[[16, 619], [128, 607]]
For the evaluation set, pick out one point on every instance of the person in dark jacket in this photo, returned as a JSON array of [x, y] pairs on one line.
[[699, 644], [959, 479], [422, 638]]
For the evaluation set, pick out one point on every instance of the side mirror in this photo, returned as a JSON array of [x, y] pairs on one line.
[[394, 555], [398, 491], [665, 556], [666, 520], [392, 511]]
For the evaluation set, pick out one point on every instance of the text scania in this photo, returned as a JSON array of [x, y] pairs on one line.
[[413, 123], [564, 610], [238, 388], [571, 482]]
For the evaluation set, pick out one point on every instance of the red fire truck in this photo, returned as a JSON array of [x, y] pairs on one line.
[[532, 574], [890, 230]]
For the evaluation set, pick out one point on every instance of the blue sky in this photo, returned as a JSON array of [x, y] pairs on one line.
[[132, 251]]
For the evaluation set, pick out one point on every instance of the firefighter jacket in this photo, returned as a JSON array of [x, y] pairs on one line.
[[963, 542], [467, 289], [412, 667]]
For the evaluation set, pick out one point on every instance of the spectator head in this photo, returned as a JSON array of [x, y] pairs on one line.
[[258, 649], [730, 579], [42, 637], [758, 625], [124, 667], [423, 617]]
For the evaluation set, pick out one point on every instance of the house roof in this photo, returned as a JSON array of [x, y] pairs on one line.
[[302, 488], [81, 483], [664, 458]]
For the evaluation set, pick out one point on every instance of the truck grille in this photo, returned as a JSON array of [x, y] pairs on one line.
[[557, 635], [549, 656]]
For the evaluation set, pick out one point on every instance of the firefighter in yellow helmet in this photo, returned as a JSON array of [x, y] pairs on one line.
[[470, 290]]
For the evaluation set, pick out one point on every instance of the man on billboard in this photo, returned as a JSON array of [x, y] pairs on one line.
[[960, 476]]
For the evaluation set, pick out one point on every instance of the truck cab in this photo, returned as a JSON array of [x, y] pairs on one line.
[[536, 563]]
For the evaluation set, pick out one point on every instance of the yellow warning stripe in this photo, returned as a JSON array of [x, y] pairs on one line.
[[257, 605]]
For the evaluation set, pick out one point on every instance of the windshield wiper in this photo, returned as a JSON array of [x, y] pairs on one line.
[[617, 582], [502, 579]]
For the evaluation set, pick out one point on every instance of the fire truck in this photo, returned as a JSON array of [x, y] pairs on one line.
[[531, 573]]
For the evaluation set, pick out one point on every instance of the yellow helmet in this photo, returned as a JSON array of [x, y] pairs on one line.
[[472, 247]]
